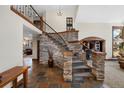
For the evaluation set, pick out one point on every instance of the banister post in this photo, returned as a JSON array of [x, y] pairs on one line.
[[67, 74], [98, 65]]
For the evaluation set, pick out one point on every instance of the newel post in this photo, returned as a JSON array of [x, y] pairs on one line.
[[98, 65]]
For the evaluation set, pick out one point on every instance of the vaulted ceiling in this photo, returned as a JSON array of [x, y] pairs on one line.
[[45, 8], [100, 14], [89, 13]]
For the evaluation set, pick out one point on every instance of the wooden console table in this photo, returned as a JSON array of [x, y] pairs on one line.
[[12, 74]]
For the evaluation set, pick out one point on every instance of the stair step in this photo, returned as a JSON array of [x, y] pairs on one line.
[[86, 74], [81, 70], [77, 79], [77, 64], [75, 56], [81, 67], [77, 61]]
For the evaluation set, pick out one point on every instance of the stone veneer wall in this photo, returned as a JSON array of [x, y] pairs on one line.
[[98, 65], [69, 35], [75, 46], [45, 44], [62, 58], [68, 66]]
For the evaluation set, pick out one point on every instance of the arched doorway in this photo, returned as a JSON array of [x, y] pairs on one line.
[[94, 43]]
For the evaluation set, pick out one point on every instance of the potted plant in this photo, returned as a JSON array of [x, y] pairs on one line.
[[121, 49], [50, 60]]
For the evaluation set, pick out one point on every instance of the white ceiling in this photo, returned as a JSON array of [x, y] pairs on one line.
[[44, 8], [100, 14], [89, 13]]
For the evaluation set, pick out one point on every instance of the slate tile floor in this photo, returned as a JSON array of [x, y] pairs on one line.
[[41, 76]]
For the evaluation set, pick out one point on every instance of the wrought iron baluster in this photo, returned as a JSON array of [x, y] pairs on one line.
[[14, 6], [19, 8], [33, 15], [26, 10], [29, 12], [22, 9]]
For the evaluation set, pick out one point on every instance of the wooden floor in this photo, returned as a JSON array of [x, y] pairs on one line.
[[41, 76]]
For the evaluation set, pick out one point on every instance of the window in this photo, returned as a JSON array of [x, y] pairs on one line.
[[69, 23], [117, 40]]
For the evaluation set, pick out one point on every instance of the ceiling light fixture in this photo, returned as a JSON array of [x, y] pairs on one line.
[[59, 13]]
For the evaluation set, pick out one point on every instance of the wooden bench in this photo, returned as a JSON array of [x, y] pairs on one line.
[[12, 74]]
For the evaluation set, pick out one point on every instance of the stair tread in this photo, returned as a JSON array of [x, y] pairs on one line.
[[77, 61], [84, 74], [81, 67], [75, 56]]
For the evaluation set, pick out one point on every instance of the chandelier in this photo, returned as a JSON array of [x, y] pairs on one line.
[[59, 12]]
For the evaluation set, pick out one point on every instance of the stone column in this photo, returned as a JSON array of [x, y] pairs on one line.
[[98, 65], [67, 74]]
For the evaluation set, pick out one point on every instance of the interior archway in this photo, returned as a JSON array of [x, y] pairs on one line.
[[93, 42]]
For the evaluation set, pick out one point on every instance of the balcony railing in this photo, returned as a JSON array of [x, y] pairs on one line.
[[26, 12], [30, 14]]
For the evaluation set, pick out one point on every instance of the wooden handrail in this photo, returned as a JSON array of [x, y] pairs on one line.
[[47, 24], [21, 15], [27, 19]]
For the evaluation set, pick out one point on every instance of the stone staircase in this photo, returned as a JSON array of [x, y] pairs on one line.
[[57, 50], [80, 70]]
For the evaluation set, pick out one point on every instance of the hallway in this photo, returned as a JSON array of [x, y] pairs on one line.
[[41, 76]]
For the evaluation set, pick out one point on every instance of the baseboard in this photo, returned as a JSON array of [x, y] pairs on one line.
[[111, 59]]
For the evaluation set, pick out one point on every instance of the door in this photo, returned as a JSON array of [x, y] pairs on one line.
[[38, 49]]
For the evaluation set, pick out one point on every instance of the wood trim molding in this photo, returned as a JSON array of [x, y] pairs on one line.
[[92, 38], [69, 31], [117, 27], [111, 59], [77, 41], [65, 32]]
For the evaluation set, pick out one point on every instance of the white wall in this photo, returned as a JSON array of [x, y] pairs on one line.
[[11, 38], [102, 30], [58, 22]]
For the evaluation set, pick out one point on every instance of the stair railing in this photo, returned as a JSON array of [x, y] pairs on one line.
[[50, 31], [30, 14]]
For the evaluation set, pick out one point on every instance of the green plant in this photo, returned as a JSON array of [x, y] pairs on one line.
[[121, 47]]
